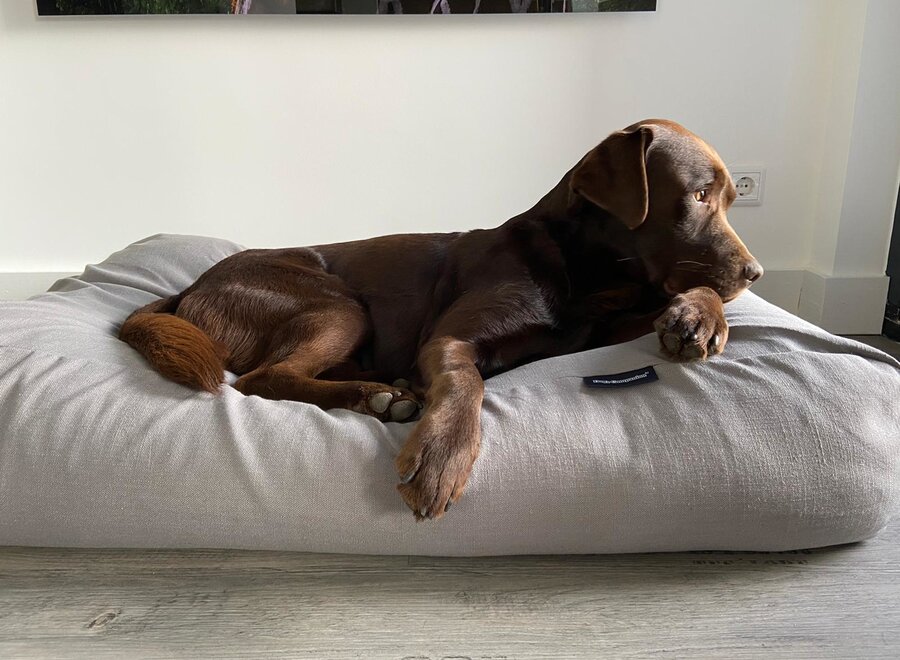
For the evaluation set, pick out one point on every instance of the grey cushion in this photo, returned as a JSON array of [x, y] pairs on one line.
[[790, 439]]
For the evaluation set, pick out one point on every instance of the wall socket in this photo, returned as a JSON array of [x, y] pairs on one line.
[[749, 182]]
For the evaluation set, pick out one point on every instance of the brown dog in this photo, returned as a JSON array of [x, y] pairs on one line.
[[635, 233]]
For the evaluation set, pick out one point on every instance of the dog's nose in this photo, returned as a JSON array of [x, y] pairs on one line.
[[753, 271]]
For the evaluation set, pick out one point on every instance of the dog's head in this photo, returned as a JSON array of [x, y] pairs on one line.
[[672, 191]]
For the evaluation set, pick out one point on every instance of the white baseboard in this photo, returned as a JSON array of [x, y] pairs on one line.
[[19, 286], [844, 305]]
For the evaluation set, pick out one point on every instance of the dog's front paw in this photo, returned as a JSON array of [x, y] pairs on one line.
[[435, 463], [693, 327]]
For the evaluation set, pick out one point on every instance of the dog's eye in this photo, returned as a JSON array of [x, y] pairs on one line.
[[701, 195]]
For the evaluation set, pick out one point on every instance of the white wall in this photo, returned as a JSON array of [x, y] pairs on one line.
[[283, 131], [844, 287]]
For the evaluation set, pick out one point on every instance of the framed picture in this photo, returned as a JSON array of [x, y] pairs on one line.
[[111, 7]]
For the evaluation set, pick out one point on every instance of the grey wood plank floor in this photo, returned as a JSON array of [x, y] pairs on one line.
[[840, 602]]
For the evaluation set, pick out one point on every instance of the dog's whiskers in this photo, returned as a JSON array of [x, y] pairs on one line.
[[693, 266]]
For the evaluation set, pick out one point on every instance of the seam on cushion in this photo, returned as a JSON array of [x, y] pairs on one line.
[[863, 350], [890, 361], [665, 363], [101, 286], [38, 354], [809, 330], [25, 353]]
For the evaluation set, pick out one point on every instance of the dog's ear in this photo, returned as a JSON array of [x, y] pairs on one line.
[[613, 175]]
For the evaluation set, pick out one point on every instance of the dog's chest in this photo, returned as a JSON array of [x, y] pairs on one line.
[[394, 341]]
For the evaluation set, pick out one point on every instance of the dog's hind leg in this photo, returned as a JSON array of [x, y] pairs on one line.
[[308, 345]]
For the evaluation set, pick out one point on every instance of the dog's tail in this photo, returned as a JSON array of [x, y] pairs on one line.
[[176, 348]]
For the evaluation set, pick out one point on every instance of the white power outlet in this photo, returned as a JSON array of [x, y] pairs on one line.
[[749, 183]]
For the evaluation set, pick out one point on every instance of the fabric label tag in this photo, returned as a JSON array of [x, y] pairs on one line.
[[624, 379]]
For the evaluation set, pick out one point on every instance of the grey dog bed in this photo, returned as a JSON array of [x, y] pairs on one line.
[[790, 439]]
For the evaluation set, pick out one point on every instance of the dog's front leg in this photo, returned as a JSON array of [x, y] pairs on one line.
[[693, 326], [437, 458]]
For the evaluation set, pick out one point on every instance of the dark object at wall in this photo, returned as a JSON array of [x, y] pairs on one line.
[[891, 326]]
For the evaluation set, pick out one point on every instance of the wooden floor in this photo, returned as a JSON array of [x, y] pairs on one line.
[[835, 603]]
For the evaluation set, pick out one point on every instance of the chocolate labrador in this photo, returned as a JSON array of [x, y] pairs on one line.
[[633, 238]]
